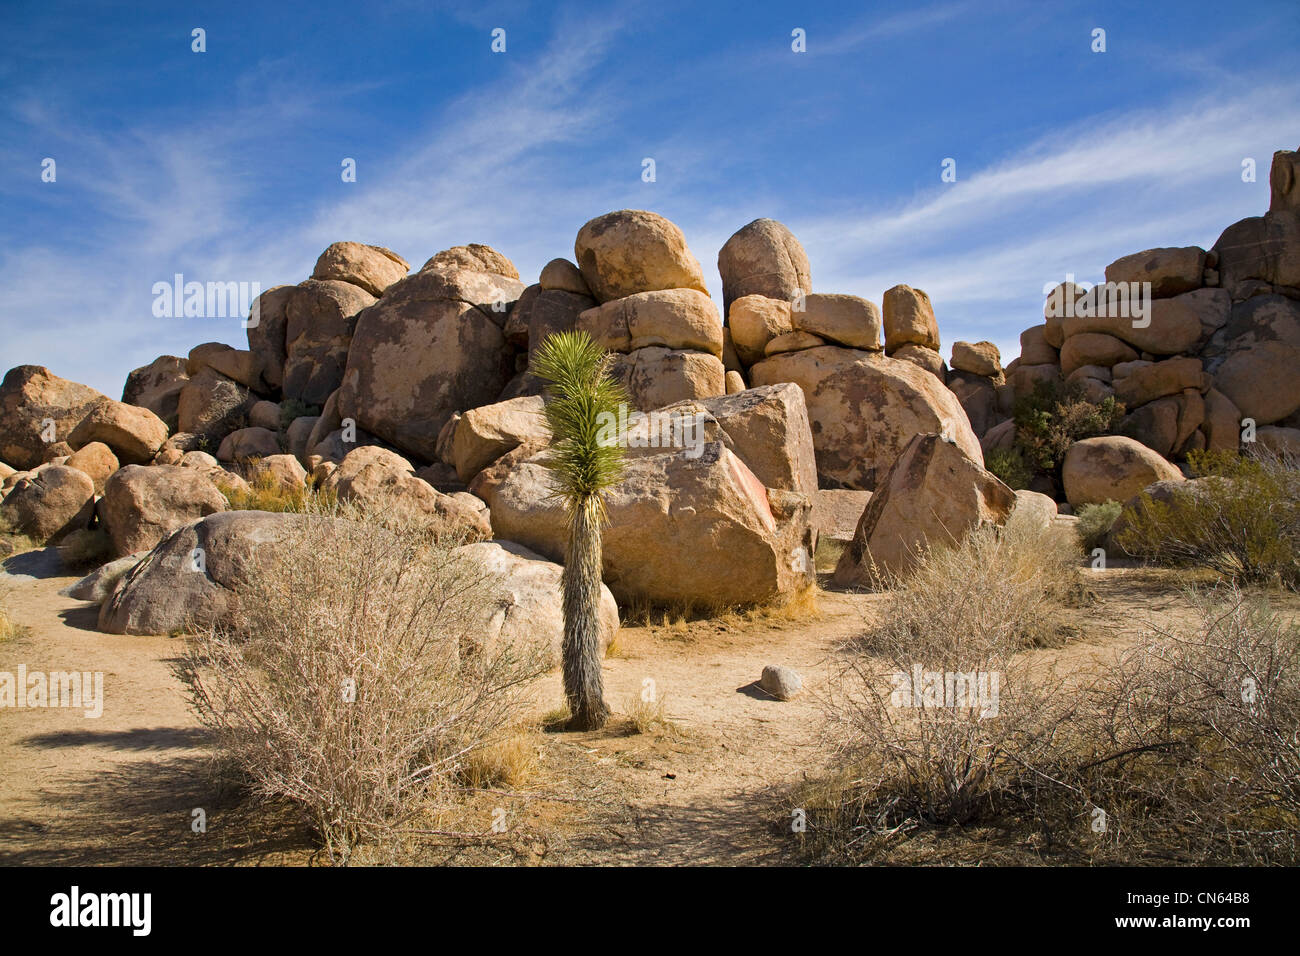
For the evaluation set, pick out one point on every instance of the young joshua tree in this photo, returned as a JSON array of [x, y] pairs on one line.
[[583, 467]]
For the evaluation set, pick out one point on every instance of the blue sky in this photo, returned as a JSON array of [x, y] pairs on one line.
[[225, 165]]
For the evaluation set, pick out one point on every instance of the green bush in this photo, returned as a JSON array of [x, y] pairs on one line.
[[1054, 417], [1241, 519], [1095, 522], [292, 408], [1009, 465]]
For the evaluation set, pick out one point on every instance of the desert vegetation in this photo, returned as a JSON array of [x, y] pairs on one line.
[[1181, 747], [356, 684], [1239, 517]]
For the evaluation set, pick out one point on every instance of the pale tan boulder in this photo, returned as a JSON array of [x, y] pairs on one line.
[[922, 357], [696, 530], [1284, 182], [486, 482], [792, 342], [523, 603], [847, 320], [36, 405], [283, 472], [763, 258], [474, 257], [486, 433], [909, 317], [1095, 349], [429, 348], [142, 505], [1111, 468], [1261, 381], [373, 268], [1172, 326], [157, 386], [135, 434], [321, 319], [837, 511], [1034, 349], [1061, 301], [978, 358], [376, 477], [670, 318], [629, 251], [865, 408], [1159, 379], [249, 443], [212, 405], [754, 321], [1033, 511], [1171, 271], [735, 383], [242, 365], [50, 503], [933, 496], [265, 414], [655, 376], [96, 460], [767, 427], [561, 275], [268, 324]]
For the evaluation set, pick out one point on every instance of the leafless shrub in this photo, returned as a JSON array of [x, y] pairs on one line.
[[937, 710], [356, 684], [1199, 728]]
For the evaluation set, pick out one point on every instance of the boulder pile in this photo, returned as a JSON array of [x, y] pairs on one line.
[[1211, 362], [753, 429]]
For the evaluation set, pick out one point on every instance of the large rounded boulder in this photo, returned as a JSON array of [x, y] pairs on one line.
[[431, 347], [865, 408], [629, 251], [763, 258]]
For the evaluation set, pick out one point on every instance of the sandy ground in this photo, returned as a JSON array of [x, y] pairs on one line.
[[123, 788]]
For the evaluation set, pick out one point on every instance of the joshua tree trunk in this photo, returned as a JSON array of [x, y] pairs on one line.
[[583, 683]]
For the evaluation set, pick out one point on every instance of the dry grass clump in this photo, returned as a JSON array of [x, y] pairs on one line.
[[641, 612], [650, 717], [9, 628], [85, 548], [356, 685], [264, 493], [1242, 521]]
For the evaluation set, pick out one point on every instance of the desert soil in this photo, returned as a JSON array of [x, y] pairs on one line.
[[123, 788]]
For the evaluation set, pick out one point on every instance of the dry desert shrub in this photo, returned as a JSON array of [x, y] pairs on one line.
[[1186, 748], [1242, 520], [356, 684], [1198, 729], [937, 711]]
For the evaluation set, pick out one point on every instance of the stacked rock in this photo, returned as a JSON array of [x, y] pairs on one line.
[[1207, 362], [653, 308], [864, 405]]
